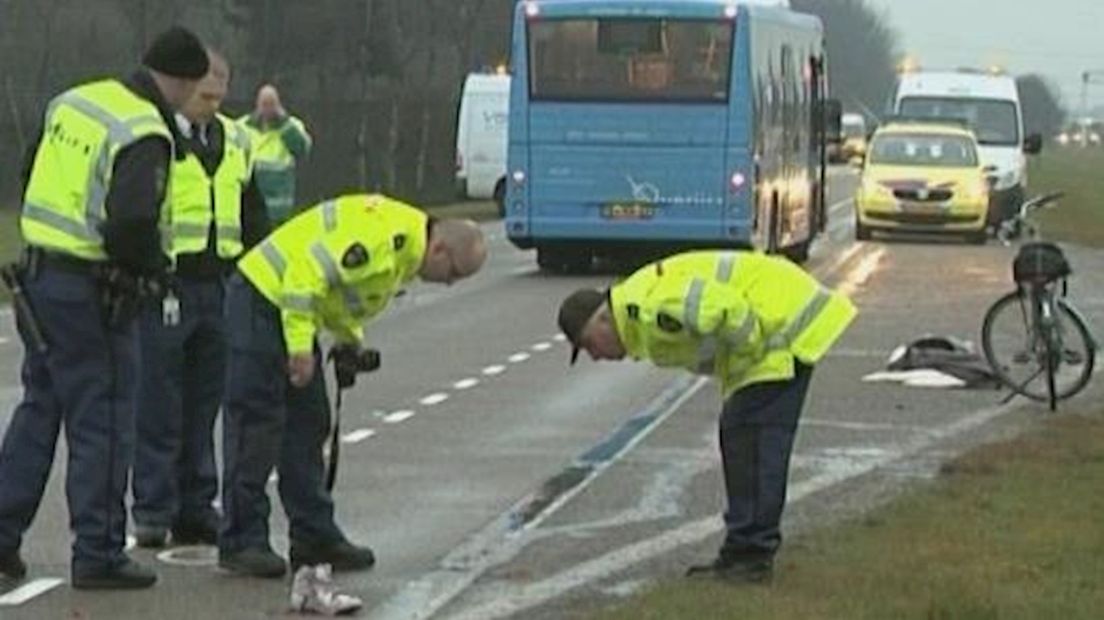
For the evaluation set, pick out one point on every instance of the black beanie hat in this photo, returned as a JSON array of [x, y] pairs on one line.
[[177, 52]]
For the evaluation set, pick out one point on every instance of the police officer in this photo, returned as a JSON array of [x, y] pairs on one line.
[[217, 211], [759, 323], [333, 266], [91, 216]]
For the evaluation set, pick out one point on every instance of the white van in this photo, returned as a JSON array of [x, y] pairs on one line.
[[990, 103], [481, 134]]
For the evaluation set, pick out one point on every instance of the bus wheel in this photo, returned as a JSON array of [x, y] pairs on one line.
[[862, 233], [774, 232], [561, 260], [798, 253], [500, 197]]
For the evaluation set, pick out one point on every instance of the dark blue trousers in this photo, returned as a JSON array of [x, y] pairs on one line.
[[758, 426], [85, 385], [181, 376], [268, 423]]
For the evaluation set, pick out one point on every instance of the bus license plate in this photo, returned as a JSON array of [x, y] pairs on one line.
[[628, 211]]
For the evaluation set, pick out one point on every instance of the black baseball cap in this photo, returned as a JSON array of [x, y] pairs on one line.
[[575, 312], [177, 52]]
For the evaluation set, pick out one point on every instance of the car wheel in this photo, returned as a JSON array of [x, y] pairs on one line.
[[500, 197], [862, 233], [978, 237]]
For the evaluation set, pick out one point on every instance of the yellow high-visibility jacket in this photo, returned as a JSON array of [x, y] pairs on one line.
[[744, 317], [337, 264], [85, 129]]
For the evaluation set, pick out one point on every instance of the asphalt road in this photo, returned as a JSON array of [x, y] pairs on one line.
[[491, 479]]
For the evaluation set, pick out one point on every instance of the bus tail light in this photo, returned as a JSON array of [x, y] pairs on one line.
[[518, 177], [737, 181], [532, 9], [730, 11]]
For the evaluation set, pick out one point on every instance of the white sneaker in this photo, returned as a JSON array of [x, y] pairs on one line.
[[313, 591]]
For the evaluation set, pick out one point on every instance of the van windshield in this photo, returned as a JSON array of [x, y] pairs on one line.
[[993, 120]]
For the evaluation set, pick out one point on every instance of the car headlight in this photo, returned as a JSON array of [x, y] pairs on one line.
[[872, 187], [977, 189]]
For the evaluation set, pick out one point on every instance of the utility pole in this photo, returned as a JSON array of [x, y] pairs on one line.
[[1088, 77]]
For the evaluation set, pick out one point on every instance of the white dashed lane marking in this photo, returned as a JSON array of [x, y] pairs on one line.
[[357, 436], [542, 346], [465, 384], [434, 399], [29, 590], [517, 358], [398, 416], [491, 371]]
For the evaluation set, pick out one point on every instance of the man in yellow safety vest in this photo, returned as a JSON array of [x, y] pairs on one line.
[[758, 323]]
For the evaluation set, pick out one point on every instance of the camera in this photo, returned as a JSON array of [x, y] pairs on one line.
[[349, 361]]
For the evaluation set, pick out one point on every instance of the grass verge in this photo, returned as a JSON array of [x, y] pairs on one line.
[[1079, 218], [1010, 530]]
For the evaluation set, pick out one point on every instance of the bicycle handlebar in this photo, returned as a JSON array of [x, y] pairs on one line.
[[1011, 228], [1039, 202]]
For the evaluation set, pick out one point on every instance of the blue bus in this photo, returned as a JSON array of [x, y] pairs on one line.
[[644, 126]]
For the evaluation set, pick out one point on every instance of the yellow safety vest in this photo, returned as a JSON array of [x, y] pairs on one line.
[[275, 165], [337, 264], [84, 130], [194, 192], [269, 150], [744, 317]]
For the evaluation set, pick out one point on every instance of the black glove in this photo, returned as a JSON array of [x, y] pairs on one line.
[[350, 360]]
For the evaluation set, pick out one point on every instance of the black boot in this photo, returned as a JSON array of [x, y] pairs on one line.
[[150, 536], [253, 562], [195, 532], [129, 575], [736, 569], [11, 566], [342, 556]]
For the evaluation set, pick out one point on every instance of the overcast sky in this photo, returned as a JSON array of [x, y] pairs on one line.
[[1058, 38]]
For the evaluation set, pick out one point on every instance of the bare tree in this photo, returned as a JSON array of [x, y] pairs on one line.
[[862, 51]]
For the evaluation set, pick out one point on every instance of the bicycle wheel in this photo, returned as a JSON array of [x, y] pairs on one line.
[[1021, 356]]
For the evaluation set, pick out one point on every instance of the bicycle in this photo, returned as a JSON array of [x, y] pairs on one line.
[[1037, 343]]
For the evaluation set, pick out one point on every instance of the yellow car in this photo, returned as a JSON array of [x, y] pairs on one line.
[[921, 176]]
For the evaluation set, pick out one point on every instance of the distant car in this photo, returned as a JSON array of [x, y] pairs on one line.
[[854, 137], [481, 133], [1082, 132], [923, 176]]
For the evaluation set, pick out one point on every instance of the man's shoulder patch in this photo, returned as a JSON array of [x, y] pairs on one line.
[[356, 256], [668, 323]]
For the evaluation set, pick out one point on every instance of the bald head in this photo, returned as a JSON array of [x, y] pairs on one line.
[[456, 250], [210, 92], [268, 102]]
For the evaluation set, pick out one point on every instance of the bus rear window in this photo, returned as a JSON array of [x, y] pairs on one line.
[[630, 59]]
